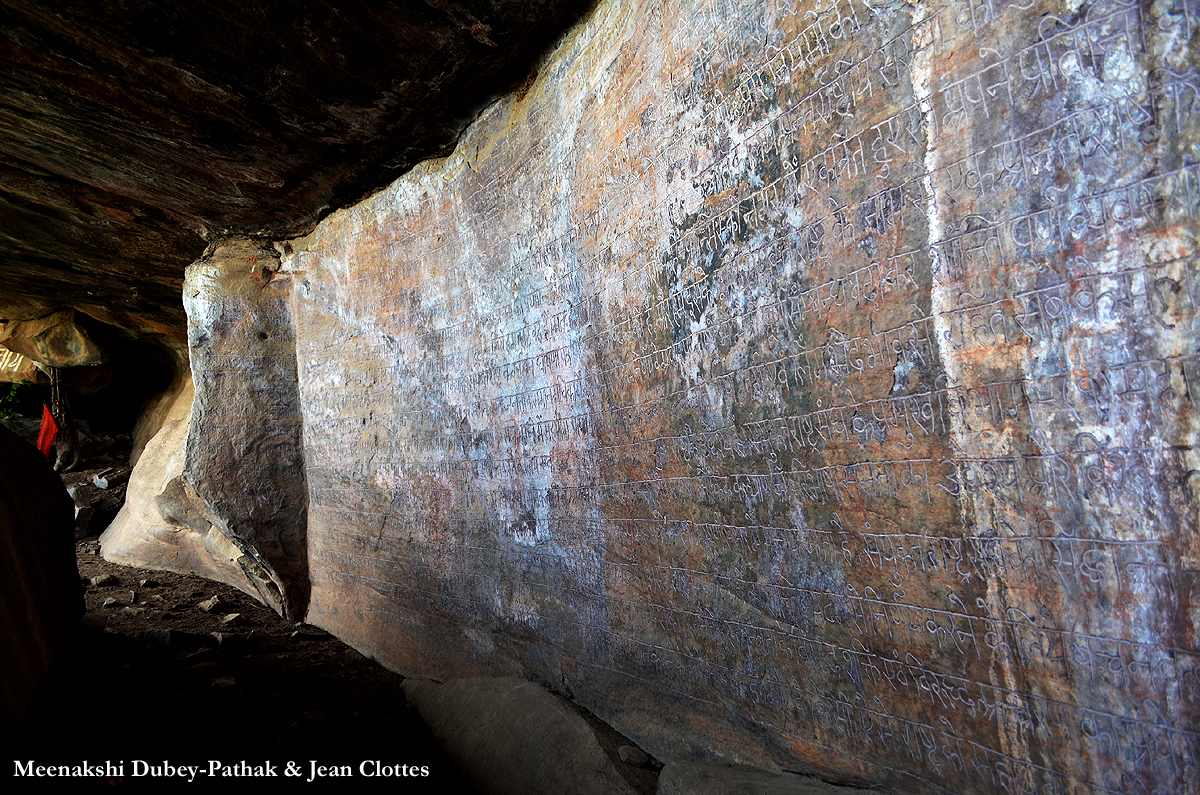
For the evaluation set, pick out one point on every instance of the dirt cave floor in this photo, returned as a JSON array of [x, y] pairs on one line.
[[159, 672]]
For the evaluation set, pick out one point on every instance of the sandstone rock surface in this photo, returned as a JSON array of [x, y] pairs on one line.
[[243, 459], [220, 489], [162, 524], [15, 368], [807, 386], [134, 133], [54, 340]]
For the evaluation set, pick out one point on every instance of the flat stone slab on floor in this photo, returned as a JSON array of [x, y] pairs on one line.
[[514, 736], [692, 778]]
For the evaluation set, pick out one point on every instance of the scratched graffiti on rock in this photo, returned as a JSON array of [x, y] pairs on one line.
[[808, 385]]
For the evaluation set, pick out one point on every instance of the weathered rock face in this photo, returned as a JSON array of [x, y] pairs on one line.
[[162, 523], [220, 490], [244, 461], [807, 386]]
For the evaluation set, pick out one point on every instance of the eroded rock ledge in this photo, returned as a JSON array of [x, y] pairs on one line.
[[136, 133]]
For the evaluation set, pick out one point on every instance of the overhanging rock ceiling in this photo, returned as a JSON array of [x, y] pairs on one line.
[[132, 132]]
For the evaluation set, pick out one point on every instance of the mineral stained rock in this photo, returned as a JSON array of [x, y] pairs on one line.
[[55, 340], [808, 386]]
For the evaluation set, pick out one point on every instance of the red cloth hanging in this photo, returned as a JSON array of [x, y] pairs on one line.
[[48, 432]]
